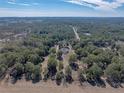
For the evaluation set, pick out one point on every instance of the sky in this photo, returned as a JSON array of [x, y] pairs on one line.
[[61, 8]]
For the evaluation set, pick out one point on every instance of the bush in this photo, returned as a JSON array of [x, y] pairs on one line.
[[81, 77], [59, 55], [72, 62], [45, 74], [68, 74], [3, 69], [60, 66], [113, 75], [29, 68], [52, 66], [35, 59], [94, 72], [36, 75], [59, 77]]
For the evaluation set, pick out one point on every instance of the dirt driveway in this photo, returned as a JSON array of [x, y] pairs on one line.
[[51, 87]]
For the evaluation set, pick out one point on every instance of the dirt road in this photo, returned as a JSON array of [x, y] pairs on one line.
[[51, 87], [76, 34]]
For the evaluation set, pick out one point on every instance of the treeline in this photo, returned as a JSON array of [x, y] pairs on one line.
[[24, 58], [100, 62]]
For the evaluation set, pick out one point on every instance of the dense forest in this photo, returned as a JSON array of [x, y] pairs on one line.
[[42, 49]]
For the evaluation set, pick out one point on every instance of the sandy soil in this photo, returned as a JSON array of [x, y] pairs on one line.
[[51, 87]]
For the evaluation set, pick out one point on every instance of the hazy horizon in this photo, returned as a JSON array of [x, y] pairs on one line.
[[61, 8]]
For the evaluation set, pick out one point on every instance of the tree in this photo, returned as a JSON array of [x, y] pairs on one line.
[[42, 51], [121, 50], [36, 75], [17, 71], [20, 59], [122, 72], [105, 58], [115, 59], [90, 48], [81, 53], [26, 52], [35, 59], [98, 51], [94, 72], [29, 68], [112, 73], [68, 74], [60, 66], [52, 64], [3, 69], [9, 58], [53, 50], [45, 74], [72, 58], [89, 60], [72, 61], [19, 67], [59, 77], [59, 55], [81, 77]]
